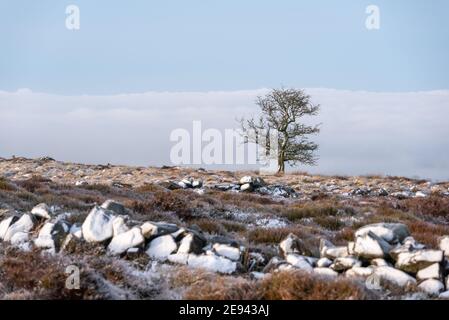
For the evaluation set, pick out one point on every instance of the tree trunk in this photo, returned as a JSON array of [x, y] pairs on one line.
[[281, 163]]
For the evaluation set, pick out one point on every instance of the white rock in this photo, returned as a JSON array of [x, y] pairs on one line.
[[417, 260], [119, 226], [393, 275], [324, 263], [390, 232], [327, 272], [114, 206], [98, 225], [20, 238], [212, 263], [431, 272], [179, 258], [258, 275], [42, 211], [370, 246], [380, 263], [444, 295], [444, 245], [5, 224], [149, 229], [246, 187], [359, 272], [432, 287], [345, 263], [76, 230], [328, 250], [24, 224], [51, 235], [161, 247], [126, 240], [227, 251], [290, 244], [299, 262], [246, 179]]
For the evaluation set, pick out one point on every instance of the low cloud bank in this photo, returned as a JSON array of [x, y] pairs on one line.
[[362, 132]]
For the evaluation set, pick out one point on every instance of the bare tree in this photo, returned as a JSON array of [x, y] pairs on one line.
[[282, 109]]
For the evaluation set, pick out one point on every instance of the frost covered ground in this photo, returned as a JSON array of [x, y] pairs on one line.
[[175, 233]]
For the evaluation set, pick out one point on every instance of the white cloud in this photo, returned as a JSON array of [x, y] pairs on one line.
[[362, 132]]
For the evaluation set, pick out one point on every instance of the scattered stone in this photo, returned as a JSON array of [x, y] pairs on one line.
[[370, 246], [327, 272], [359, 272], [192, 243], [5, 224], [24, 224], [431, 272], [124, 241], [98, 225], [151, 230], [380, 263], [345, 263], [51, 235], [444, 295], [409, 245], [292, 244], [226, 251], [328, 250], [390, 232], [444, 245], [299, 262], [432, 287], [324, 263], [212, 263], [161, 247], [391, 275], [119, 226], [414, 261], [247, 187], [42, 211]]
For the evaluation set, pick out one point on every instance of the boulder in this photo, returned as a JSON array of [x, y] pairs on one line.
[[247, 187], [359, 272], [412, 262], [5, 224], [191, 243], [114, 206], [431, 272], [246, 180], [380, 263], [178, 258], [292, 244], [161, 247], [444, 245], [223, 250], [118, 226], [20, 238], [24, 224], [345, 263], [370, 246], [409, 245], [122, 242], [390, 232], [381, 275], [324, 263], [444, 295], [151, 230], [328, 250], [98, 225], [197, 183], [432, 287], [42, 211], [326, 272], [76, 230], [51, 235], [299, 262], [212, 263]]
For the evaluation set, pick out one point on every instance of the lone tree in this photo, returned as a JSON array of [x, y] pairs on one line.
[[282, 110]]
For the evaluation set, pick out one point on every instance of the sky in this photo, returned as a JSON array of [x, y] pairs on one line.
[[113, 90]]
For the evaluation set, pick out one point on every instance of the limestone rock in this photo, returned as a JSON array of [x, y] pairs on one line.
[[5, 224], [370, 246], [414, 261], [324, 263], [431, 272], [122, 242], [98, 225], [391, 275], [432, 287], [444, 245], [292, 244], [328, 250], [227, 251], [299, 262], [327, 272], [345, 263], [24, 224], [359, 272], [390, 232], [212, 263], [51, 235], [42, 211], [192, 243], [161, 247]]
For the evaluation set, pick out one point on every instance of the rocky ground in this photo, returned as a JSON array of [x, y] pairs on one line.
[[174, 233]]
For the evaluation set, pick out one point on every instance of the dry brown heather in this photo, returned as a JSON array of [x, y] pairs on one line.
[[323, 209]]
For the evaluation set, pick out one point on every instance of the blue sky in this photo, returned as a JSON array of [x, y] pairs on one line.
[[137, 46]]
